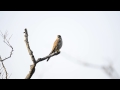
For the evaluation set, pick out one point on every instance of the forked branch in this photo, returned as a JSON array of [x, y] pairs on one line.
[[32, 67], [6, 41]]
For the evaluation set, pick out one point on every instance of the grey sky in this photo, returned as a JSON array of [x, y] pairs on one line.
[[88, 36]]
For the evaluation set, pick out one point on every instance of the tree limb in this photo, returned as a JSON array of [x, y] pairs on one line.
[[51, 55], [28, 47], [31, 72], [32, 67]]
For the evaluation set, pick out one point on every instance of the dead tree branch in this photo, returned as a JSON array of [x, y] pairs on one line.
[[5, 70], [6, 41], [108, 69], [51, 55], [32, 67], [28, 47], [3, 67]]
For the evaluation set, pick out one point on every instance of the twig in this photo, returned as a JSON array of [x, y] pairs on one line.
[[5, 70], [10, 38], [8, 56], [3, 66], [7, 43], [109, 70]]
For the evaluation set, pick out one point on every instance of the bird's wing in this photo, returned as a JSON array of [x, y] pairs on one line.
[[54, 45]]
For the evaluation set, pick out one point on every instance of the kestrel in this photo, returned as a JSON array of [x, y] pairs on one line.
[[57, 45]]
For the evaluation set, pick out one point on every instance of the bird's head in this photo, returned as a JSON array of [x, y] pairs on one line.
[[58, 36]]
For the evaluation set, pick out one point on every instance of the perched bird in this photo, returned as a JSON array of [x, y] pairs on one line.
[[57, 45]]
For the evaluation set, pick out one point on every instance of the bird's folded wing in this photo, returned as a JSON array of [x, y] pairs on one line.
[[55, 45]]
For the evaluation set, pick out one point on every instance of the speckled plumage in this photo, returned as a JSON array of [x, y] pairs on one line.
[[57, 45]]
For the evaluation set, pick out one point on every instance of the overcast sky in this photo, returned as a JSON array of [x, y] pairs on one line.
[[88, 36]]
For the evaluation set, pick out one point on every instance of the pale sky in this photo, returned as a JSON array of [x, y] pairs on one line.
[[88, 36]]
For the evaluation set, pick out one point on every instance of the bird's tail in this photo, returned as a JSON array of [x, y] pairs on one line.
[[50, 53]]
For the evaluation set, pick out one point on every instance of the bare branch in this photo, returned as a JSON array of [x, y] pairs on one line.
[[7, 43], [32, 67], [5, 70], [51, 55], [28, 47], [6, 33], [31, 72], [10, 38], [3, 67], [109, 70], [9, 56]]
